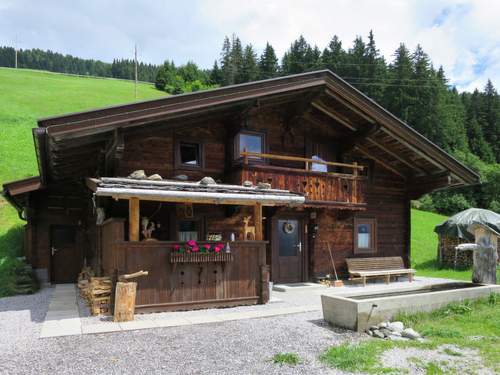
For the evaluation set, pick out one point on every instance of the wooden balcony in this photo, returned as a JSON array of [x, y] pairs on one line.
[[329, 189]]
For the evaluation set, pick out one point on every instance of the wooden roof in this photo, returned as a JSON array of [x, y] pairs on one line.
[[193, 192], [69, 146]]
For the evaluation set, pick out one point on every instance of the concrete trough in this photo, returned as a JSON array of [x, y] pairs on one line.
[[359, 311]]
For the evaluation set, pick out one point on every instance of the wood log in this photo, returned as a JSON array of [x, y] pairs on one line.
[[125, 301], [132, 275]]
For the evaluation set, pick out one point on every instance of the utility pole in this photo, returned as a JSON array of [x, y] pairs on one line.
[[15, 53], [135, 58]]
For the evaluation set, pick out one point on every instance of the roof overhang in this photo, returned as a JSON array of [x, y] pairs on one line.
[[16, 192], [70, 131], [191, 192]]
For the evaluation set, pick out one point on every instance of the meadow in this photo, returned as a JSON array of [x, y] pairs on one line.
[[25, 96]]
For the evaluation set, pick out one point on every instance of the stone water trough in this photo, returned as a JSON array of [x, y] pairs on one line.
[[359, 311]]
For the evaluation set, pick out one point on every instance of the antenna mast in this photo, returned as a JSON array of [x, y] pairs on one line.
[[135, 59]]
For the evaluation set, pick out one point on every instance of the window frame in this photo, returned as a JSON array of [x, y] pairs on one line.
[[178, 158], [236, 144], [372, 222]]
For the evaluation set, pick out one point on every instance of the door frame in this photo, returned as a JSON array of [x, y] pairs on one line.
[[303, 217], [52, 268]]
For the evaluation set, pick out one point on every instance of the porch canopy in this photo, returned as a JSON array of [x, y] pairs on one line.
[[192, 192], [135, 190]]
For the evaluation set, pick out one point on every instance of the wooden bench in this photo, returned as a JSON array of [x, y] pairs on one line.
[[362, 268]]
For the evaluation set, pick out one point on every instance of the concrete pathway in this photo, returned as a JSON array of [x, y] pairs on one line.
[[64, 317]]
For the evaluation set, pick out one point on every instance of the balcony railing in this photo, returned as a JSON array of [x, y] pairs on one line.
[[319, 188]]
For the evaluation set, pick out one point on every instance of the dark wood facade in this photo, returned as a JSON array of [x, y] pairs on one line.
[[286, 129]]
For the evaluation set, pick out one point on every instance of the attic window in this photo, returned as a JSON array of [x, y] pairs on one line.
[[189, 154]]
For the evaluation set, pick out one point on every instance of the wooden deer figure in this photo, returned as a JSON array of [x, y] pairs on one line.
[[248, 231]]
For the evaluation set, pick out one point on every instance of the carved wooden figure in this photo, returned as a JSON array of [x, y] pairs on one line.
[[248, 231]]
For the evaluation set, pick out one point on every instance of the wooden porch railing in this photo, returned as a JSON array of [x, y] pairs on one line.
[[319, 188], [308, 162]]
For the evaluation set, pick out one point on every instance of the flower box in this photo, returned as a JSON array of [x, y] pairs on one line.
[[200, 257]]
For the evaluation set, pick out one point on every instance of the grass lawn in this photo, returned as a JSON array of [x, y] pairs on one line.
[[467, 325], [25, 96]]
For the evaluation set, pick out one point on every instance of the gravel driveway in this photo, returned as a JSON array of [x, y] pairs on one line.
[[235, 347]]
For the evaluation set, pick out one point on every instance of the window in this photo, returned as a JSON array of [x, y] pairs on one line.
[[365, 236], [189, 154], [188, 230], [249, 141]]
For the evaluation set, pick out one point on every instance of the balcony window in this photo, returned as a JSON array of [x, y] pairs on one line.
[[249, 141], [365, 238]]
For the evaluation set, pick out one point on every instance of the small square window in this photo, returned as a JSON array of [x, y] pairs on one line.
[[249, 141], [190, 154], [365, 239]]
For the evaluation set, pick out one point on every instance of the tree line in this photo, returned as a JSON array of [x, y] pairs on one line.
[[57, 62], [467, 124]]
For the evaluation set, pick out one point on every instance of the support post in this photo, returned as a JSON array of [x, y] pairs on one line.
[[133, 219], [257, 217]]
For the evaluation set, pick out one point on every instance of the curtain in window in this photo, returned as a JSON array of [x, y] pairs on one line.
[[186, 236], [363, 236]]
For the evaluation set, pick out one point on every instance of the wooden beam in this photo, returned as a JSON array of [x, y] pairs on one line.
[[332, 114], [358, 136], [395, 155], [133, 219], [257, 217], [352, 107], [382, 163]]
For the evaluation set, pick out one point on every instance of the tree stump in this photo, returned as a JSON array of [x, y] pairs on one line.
[[485, 265], [125, 301]]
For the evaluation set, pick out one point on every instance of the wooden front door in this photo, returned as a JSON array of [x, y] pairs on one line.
[[288, 249], [67, 259]]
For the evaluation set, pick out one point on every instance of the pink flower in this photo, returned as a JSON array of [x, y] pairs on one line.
[[192, 243], [177, 247], [195, 249], [217, 249], [207, 246]]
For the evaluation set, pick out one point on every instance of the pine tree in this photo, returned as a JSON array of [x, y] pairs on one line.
[[374, 72], [334, 57], [298, 58], [250, 68], [227, 70], [215, 74], [268, 63], [237, 59], [490, 115], [398, 97]]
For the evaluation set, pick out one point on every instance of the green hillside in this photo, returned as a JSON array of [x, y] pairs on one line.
[[25, 96]]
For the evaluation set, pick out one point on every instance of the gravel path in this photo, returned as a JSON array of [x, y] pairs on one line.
[[242, 347]]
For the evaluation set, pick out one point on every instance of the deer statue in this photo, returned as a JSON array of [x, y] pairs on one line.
[[248, 231]]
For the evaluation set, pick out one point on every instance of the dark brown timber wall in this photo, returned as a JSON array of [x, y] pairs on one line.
[[387, 203]]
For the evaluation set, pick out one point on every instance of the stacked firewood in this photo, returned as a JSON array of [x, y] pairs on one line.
[[96, 291], [99, 295]]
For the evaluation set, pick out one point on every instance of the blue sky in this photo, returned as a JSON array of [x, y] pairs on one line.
[[463, 36]]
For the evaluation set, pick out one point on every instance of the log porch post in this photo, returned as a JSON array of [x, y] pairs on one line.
[[133, 219], [257, 218]]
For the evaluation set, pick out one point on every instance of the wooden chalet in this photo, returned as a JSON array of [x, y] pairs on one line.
[[297, 163]]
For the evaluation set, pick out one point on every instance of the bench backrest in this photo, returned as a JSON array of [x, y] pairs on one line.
[[374, 264]]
